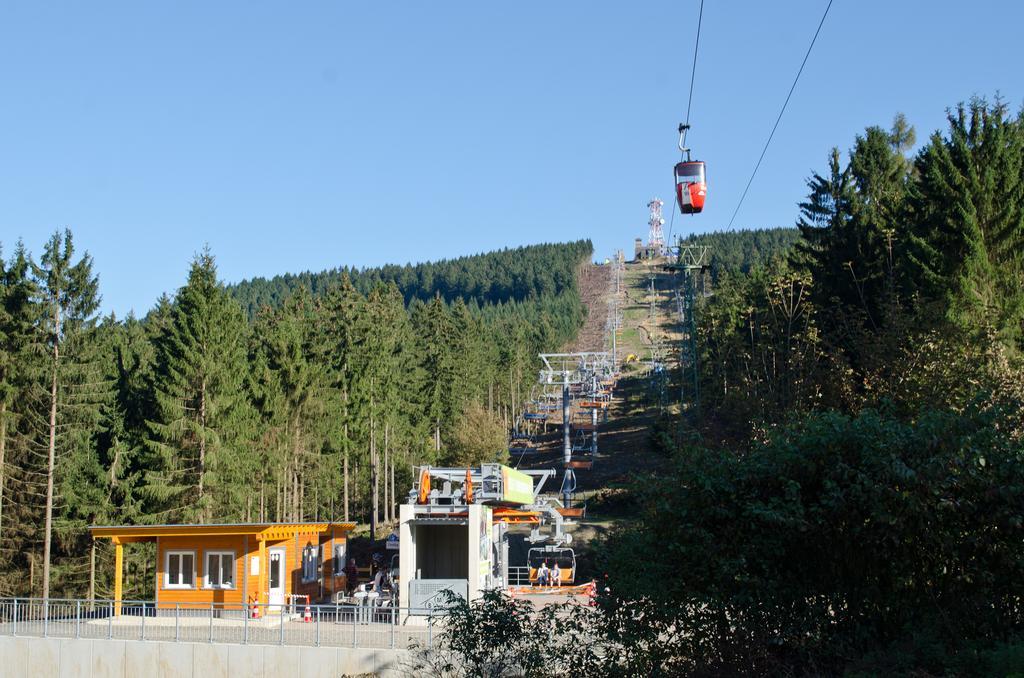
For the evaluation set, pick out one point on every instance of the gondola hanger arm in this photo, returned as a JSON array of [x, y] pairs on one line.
[[683, 128]]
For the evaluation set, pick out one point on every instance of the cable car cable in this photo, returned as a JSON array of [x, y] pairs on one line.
[[779, 119], [689, 104], [693, 71]]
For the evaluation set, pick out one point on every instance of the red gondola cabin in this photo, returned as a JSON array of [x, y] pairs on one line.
[[691, 186]]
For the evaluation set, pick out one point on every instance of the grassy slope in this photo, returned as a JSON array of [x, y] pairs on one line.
[[624, 449]]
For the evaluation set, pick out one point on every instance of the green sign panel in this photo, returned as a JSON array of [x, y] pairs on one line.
[[516, 486]]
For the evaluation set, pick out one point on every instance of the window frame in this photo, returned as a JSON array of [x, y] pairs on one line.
[[167, 568], [341, 561], [206, 569], [317, 560]]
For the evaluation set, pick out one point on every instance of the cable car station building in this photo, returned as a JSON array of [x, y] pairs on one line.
[[453, 532], [234, 566]]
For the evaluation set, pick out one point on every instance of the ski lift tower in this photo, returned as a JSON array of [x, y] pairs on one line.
[[568, 370], [691, 263]]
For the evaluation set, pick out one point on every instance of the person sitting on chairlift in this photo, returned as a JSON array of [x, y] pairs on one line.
[[556, 575], [543, 573]]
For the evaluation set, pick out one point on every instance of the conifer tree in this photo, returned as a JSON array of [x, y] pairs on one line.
[[287, 340], [849, 222], [967, 226], [68, 298], [16, 318], [340, 337], [436, 334], [198, 435]]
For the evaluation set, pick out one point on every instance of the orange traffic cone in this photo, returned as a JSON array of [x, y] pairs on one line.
[[255, 611], [307, 616]]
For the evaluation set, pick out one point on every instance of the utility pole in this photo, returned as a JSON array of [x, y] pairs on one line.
[[566, 439]]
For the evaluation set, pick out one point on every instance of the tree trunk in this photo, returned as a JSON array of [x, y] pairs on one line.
[[203, 517], [373, 474], [345, 473], [387, 458], [295, 495], [51, 452], [277, 499], [3, 458], [296, 438]]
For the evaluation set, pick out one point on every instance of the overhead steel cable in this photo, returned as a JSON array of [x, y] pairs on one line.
[[693, 71], [779, 119], [689, 103]]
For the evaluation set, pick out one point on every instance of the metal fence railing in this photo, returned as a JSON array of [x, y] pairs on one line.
[[362, 626], [519, 575]]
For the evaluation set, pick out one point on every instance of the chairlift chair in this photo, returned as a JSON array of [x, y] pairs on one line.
[[562, 557]]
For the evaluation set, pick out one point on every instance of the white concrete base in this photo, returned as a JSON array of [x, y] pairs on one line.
[[25, 657]]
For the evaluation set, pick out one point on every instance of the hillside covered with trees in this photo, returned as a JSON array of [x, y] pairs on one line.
[[849, 495], [848, 499], [509, 275], [309, 400], [744, 250]]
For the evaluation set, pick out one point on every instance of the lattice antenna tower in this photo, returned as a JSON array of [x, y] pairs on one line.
[[656, 236]]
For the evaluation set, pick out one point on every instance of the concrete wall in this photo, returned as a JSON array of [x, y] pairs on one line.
[[24, 657]]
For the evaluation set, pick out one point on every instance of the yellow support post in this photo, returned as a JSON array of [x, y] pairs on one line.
[[118, 572], [263, 573]]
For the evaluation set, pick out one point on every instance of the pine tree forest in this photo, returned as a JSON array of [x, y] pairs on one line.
[[303, 398]]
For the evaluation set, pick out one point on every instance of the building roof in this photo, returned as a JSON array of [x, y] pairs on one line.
[[141, 533]]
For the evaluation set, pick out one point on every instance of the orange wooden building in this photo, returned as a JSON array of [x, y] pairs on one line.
[[237, 564]]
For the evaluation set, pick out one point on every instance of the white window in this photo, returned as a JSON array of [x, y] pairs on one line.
[[180, 570], [339, 559], [220, 570], [310, 563]]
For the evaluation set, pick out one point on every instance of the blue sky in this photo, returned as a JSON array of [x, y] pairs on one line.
[[304, 136]]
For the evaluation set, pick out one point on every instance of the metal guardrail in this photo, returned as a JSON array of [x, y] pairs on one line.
[[519, 575], [360, 626]]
